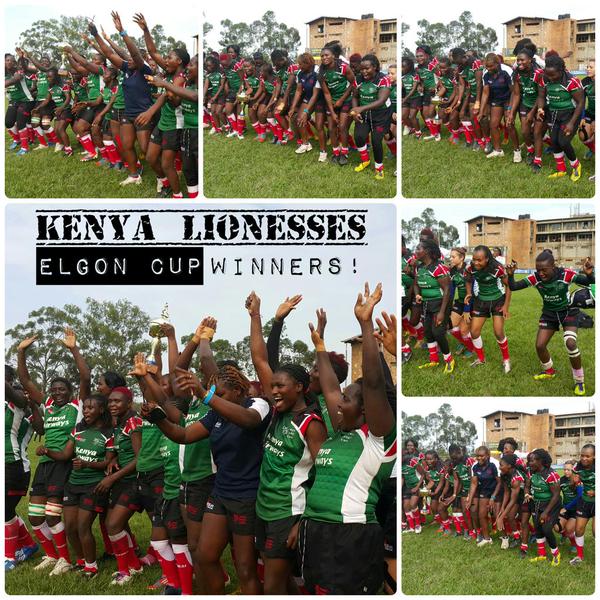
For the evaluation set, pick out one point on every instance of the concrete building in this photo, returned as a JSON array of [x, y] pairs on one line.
[[355, 360], [571, 239], [564, 35], [365, 35], [562, 435]]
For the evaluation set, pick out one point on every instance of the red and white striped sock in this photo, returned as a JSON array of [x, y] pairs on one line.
[[25, 538], [192, 191], [44, 535], [433, 352], [579, 545], [60, 539], [364, 154], [166, 557], [51, 135], [24, 138], [120, 544], [478, 347], [184, 567], [541, 546], [468, 131], [559, 157], [11, 538], [503, 345], [468, 342], [39, 134], [14, 133]]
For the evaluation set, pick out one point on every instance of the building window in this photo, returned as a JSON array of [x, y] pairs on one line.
[[555, 237], [479, 228], [387, 37], [588, 421], [575, 432], [591, 431], [560, 422], [556, 227], [560, 433], [541, 238], [336, 23], [387, 27], [570, 237], [541, 228], [496, 423], [517, 29], [585, 236], [573, 421], [321, 28]]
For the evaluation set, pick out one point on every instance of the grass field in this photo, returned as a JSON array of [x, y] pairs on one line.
[[434, 565], [490, 380], [44, 174], [271, 171], [438, 170], [24, 580]]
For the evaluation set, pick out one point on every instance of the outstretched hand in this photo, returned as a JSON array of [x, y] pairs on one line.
[[316, 338], [365, 303], [188, 381], [206, 329], [287, 306], [387, 333], [27, 342], [140, 367], [70, 339], [117, 21], [321, 322], [253, 304], [141, 21]]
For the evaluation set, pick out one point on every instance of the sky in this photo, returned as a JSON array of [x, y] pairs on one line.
[[292, 14], [455, 212], [491, 14], [473, 409], [222, 296], [181, 24]]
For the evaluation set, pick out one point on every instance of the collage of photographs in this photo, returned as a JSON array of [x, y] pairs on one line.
[[186, 411]]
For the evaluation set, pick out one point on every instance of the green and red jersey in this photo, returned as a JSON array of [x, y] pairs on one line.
[[336, 80], [559, 94], [171, 117], [588, 479], [410, 473], [214, 82], [528, 86], [149, 458], [555, 293], [95, 84], [428, 277], [427, 74], [408, 82], [542, 483], [489, 282], [169, 452], [90, 445], [121, 441], [59, 422], [19, 91], [368, 90], [17, 433], [196, 458]]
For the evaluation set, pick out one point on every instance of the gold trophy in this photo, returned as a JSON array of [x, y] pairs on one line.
[[242, 97], [156, 333], [63, 70]]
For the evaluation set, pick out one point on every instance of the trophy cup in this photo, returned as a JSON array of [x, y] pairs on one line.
[[156, 333], [242, 97]]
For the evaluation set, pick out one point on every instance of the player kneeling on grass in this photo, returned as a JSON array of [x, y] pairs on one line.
[[87, 447], [560, 103], [432, 290], [371, 111], [585, 472], [553, 283], [543, 489]]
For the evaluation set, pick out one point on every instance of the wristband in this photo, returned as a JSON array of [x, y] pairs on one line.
[[493, 498], [156, 415], [508, 108], [306, 111], [209, 394], [122, 33], [208, 334], [320, 347]]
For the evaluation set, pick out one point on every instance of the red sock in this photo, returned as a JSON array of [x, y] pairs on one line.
[[86, 142], [60, 539], [184, 567], [468, 131], [560, 162], [120, 544], [410, 519], [571, 537], [438, 519], [547, 140], [431, 126], [433, 352], [537, 160], [406, 326], [30, 134], [107, 543], [574, 163], [456, 522], [44, 535], [14, 135], [591, 144], [507, 528], [169, 569], [541, 548], [24, 137], [104, 154], [455, 333], [351, 141], [446, 525], [420, 331], [504, 348], [25, 538], [468, 342], [517, 535], [11, 538], [345, 151], [40, 136], [364, 154], [461, 520], [51, 135], [478, 347], [579, 545], [392, 146]]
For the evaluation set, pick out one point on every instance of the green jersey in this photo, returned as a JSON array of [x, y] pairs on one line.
[[489, 282], [449, 84], [469, 74], [232, 74], [368, 90], [42, 86], [19, 91], [284, 74], [286, 466], [107, 94], [337, 81], [214, 82], [17, 433], [435, 475], [350, 470], [555, 293], [559, 94], [91, 445], [542, 483], [171, 117], [253, 82], [568, 490], [410, 475], [394, 97], [190, 110], [325, 415], [59, 422], [428, 280], [588, 478], [95, 84], [121, 442], [589, 86], [458, 279], [196, 458], [169, 452], [59, 93], [80, 90], [149, 458], [408, 82], [528, 86], [120, 99], [407, 280], [464, 472], [427, 75]]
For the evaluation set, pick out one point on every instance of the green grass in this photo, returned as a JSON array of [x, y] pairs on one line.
[[439, 170], [44, 174], [490, 380], [24, 580], [434, 565], [246, 169]]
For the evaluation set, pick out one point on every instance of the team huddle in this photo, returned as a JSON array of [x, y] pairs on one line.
[[481, 100], [523, 500], [123, 95], [441, 297], [300, 100], [291, 471]]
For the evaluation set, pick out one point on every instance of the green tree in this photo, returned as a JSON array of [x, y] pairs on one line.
[[447, 235], [404, 49], [108, 333], [206, 29], [463, 32]]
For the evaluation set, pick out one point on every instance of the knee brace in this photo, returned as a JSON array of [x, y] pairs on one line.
[[36, 510], [53, 510], [571, 335]]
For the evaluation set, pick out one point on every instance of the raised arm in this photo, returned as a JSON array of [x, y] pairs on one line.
[[86, 64], [134, 51], [150, 45], [378, 412], [34, 392], [206, 332], [33, 60], [173, 352], [112, 51], [258, 348], [85, 375], [284, 309]]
